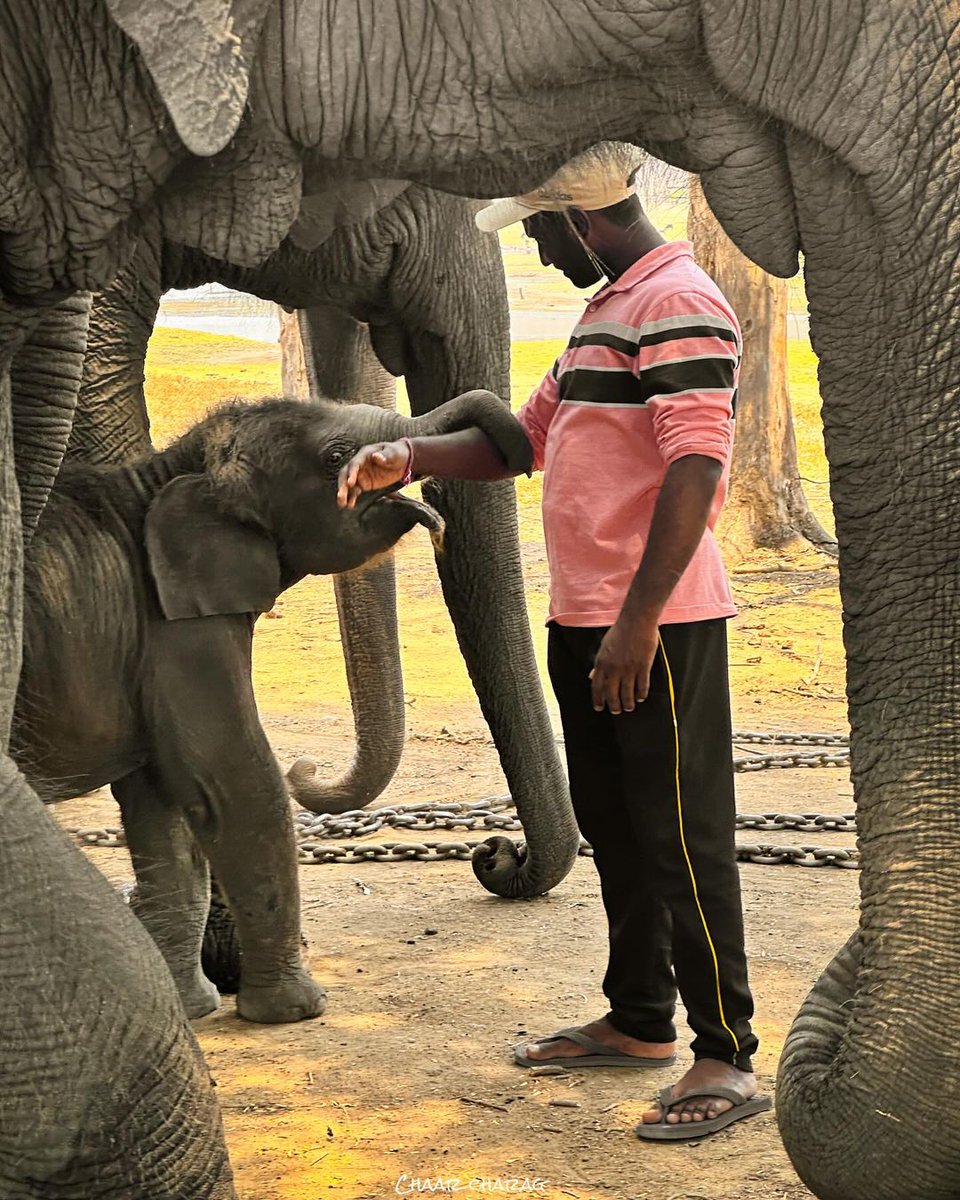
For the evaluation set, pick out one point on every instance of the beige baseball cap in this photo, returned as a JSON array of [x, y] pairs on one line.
[[594, 179]]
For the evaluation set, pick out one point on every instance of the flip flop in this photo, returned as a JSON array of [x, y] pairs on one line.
[[686, 1130], [599, 1055]]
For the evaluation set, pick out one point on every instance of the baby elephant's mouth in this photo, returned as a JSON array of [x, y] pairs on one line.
[[422, 513]]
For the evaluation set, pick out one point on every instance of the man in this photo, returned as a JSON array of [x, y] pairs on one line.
[[633, 426]]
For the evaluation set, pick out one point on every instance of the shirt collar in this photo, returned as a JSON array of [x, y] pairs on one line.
[[644, 267]]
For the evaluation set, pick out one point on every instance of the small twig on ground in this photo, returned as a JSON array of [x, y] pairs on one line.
[[484, 1104], [810, 679], [808, 694]]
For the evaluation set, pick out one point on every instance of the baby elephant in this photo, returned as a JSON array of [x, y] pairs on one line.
[[143, 584]]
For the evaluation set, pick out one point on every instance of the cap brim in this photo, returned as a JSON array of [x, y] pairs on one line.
[[502, 213]]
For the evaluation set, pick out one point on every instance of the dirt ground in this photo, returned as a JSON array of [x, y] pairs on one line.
[[405, 1084]]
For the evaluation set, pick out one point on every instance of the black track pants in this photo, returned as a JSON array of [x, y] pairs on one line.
[[662, 830]]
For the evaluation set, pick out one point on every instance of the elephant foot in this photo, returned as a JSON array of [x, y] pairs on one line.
[[199, 997], [297, 998]]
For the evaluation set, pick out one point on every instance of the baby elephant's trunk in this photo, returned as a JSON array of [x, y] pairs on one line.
[[485, 411]]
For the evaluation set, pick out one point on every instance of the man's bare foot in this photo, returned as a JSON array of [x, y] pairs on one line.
[[600, 1031], [703, 1075]]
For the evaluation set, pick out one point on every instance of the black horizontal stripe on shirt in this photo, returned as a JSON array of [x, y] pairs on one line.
[[633, 345], [682, 332], [690, 375], [582, 385], [610, 340]]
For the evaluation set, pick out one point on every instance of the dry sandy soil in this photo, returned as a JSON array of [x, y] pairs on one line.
[[408, 1073], [407, 1077]]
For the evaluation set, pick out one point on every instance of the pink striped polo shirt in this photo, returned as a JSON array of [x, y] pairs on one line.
[[648, 376]]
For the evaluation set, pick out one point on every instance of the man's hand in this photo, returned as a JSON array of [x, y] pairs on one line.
[[372, 468], [620, 678]]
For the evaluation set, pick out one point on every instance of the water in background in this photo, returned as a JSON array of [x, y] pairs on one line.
[[216, 309]]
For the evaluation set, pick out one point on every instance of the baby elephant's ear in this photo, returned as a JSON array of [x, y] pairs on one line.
[[205, 562]]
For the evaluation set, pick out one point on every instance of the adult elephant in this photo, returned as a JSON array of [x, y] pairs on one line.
[[393, 279], [814, 124]]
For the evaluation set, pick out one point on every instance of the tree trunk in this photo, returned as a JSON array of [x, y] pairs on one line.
[[766, 506], [293, 368]]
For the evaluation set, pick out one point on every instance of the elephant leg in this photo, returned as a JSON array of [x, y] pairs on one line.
[[341, 365], [173, 888], [213, 756], [220, 955]]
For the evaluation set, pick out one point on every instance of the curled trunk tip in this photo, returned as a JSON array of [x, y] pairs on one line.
[[344, 795]]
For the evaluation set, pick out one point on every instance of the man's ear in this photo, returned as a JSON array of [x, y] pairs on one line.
[[206, 562]]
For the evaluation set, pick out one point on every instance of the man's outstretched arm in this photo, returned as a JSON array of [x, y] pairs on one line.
[[467, 454]]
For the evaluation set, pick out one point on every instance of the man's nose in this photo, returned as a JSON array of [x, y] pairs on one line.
[[544, 257]]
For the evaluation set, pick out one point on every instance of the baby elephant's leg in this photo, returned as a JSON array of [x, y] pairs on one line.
[[215, 759], [173, 885], [247, 832]]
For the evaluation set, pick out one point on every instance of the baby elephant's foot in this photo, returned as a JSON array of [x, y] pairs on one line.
[[198, 996], [297, 998]]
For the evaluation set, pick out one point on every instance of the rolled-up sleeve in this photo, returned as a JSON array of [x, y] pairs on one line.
[[538, 412], [688, 365]]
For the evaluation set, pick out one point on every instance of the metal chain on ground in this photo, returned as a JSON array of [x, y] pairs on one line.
[[791, 739], [496, 814]]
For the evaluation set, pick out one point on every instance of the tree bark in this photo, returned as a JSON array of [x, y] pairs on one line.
[[766, 506], [293, 367]]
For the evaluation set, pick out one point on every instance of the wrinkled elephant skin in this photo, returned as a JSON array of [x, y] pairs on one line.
[[369, 291], [164, 565], [814, 123]]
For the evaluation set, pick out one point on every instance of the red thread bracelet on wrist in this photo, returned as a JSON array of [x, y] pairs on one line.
[[407, 476]]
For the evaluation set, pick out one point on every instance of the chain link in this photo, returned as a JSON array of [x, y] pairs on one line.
[[496, 814], [791, 739]]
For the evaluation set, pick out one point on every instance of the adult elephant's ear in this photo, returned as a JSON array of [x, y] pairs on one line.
[[199, 54], [204, 561]]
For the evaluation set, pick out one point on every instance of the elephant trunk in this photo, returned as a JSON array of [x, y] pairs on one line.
[[480, 568], [868, 1086], [44, 381], [488, 412], [340, 365], [367, 610], [111, 424]]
